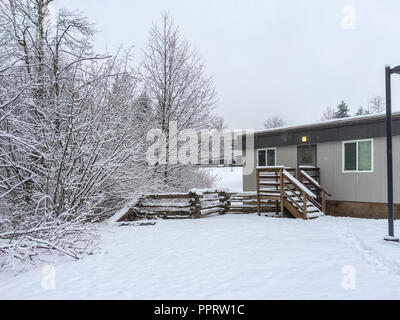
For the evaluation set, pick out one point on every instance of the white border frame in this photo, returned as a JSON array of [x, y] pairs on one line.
[[372, 156], [266, 158]]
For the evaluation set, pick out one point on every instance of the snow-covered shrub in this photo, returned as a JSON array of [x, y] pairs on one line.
[[69, 140], [72, 131]]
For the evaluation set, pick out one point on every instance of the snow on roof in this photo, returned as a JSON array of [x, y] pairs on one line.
[[353, 119]]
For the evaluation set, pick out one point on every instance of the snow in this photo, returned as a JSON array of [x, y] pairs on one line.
[[391, 238], [311, 215], [207, 190], [227, 257], [270, 167], [230, 178], [328, 122], [315, 182], [124, 210], [298, 184]]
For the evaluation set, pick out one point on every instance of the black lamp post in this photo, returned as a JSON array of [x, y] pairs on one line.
[[388, 72]]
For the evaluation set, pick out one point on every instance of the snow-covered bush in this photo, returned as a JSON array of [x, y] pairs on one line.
[[66, 130], [72, 133]]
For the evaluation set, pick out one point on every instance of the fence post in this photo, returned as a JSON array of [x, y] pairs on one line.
[[258, 191], [282, 187], [305, 200], [224, 198], [323, 196], [196, 205]]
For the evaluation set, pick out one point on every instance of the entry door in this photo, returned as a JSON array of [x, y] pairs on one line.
[[307, 155]]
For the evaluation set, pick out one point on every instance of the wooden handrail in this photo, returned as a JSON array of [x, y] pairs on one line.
[[298, 184], [288, 188], [304, 195], [313, 182]]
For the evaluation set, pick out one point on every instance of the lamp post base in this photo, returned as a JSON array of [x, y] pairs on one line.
[[390, 238]]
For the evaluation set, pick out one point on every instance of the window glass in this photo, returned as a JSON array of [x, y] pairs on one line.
[[350, 156], [271, 157], [261, 158], [364, 155], [307, 157]]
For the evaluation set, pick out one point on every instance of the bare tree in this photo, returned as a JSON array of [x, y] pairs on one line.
[[220, 123], [377, 104], [72, 124], [71, 147], [273, 122], [178, 88], [328, 114]]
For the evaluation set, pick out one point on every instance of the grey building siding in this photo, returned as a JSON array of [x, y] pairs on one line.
[[249, 180], [285, 156], [357, 187]]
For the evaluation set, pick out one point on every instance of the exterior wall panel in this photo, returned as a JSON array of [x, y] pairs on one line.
[[285, 156], [358, 186], [355, 187], [250, 181]]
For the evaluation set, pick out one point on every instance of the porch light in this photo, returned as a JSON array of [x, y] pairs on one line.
[[304, 139]]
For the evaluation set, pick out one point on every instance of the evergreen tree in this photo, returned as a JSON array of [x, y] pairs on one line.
[[342, 110], [361, 111]]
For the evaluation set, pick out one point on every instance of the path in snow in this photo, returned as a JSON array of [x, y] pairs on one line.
[[227, 257], [371, 249]]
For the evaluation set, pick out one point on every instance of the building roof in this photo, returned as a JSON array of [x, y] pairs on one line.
[[354, 120], [352, 128]]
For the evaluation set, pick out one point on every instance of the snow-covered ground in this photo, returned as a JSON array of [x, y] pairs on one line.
[[229, 178], [226, 257]]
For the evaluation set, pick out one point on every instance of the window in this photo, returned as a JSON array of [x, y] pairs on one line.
[[358, 156], [266, 157], [307, 155]]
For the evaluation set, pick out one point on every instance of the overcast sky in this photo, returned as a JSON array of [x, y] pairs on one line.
[[290, 58]]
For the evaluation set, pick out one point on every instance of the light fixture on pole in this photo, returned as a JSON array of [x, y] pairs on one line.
[[388, 72]]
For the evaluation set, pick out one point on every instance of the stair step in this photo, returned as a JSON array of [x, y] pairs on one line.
[[269, 188], [314, 215]]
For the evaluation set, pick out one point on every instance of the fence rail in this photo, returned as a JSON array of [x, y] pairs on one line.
[[274, 190], [194, 204], [246, 202]]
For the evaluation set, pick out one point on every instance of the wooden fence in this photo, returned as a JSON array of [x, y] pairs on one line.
[[246, 202], [194, 204], [199, 203]]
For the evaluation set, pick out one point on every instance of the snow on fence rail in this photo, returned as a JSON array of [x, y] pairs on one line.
[[246, 202], [194, 204]]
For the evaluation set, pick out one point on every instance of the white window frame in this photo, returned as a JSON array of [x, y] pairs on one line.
[[343, 156], [266, 158]]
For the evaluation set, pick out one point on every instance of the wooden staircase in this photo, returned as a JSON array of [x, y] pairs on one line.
[[301, 197]]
